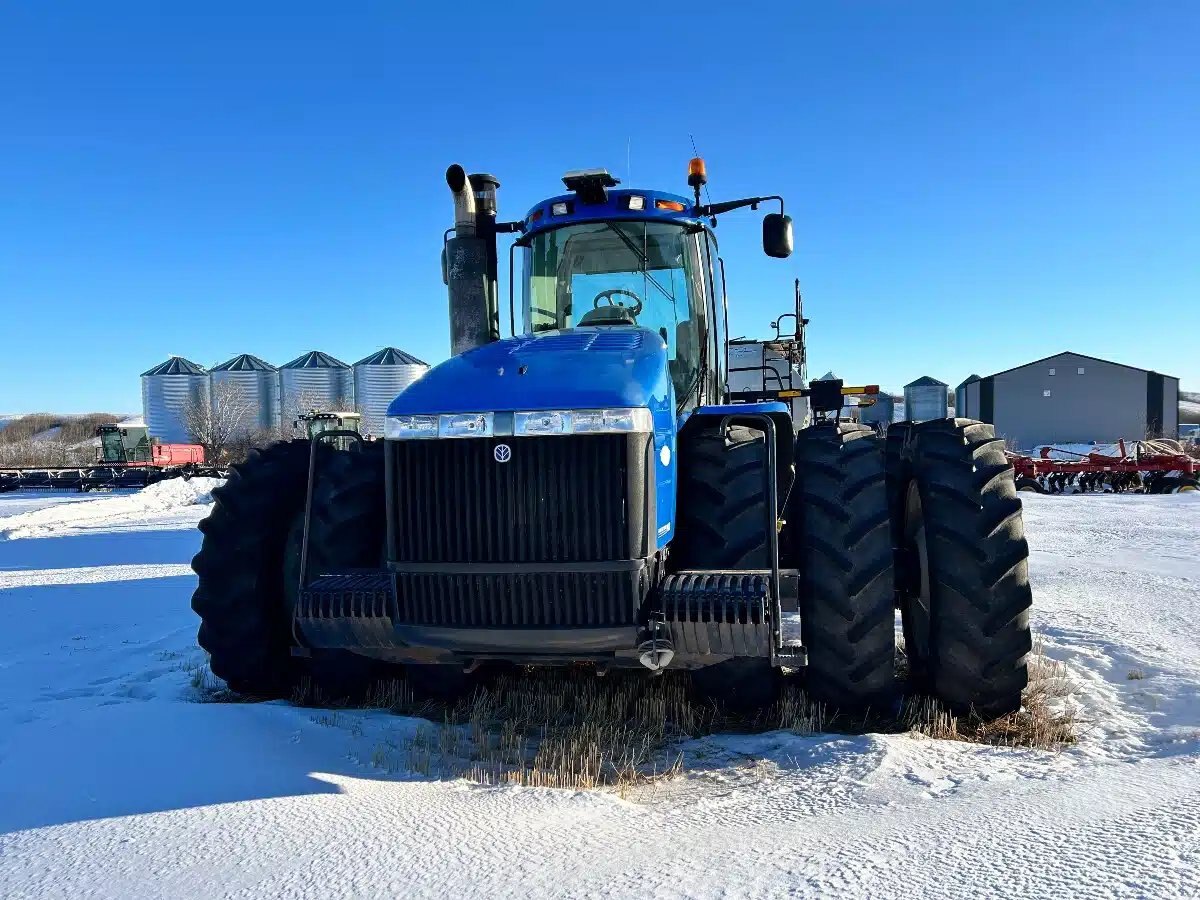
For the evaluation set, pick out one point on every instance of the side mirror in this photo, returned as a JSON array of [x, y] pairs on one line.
[[777, 235]]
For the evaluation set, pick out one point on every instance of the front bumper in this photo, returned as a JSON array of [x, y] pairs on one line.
[[703, 617]]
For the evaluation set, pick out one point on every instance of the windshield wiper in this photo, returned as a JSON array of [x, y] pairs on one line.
[[643, 260]]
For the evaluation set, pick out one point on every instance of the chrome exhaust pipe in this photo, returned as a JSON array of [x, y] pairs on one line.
[[464, 201]]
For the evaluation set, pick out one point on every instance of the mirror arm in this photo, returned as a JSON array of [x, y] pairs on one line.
[[715, 209]]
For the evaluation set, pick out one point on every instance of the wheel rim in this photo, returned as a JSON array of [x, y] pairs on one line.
[[915, 599]]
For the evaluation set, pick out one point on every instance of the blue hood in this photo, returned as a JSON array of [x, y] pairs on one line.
[[581, 368]]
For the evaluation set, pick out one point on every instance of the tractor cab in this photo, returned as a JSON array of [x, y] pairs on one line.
[[340, 425], [122, 444], [603, 257]]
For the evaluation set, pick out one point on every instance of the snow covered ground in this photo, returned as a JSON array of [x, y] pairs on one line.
[[115, 782]]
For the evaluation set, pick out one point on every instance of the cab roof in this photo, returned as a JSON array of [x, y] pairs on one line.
[[616, 205]]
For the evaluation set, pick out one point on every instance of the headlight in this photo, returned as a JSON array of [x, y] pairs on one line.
[[582, 421], [610, 420], [409, 427], [543, 422], [465, 425]]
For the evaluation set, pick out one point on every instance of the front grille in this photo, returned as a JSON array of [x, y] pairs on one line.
[[557, 499], [521, 600]]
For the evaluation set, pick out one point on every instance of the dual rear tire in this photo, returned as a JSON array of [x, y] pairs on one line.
[[962, 571], [930, 523], [837, 534]]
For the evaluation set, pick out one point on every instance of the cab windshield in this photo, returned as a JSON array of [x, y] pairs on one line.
[[646, 274], [111, 447]]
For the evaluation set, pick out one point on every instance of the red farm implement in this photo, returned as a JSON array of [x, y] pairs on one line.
[[126, 457], [1146, 467]]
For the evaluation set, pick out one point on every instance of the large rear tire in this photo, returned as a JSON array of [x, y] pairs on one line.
[[841, 541], [240, 594], [962, 566], [721, 515]]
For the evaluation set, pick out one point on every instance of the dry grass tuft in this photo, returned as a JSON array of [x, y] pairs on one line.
[[1046, 720], [201, 679], [548, 728], [568, 728], [794, 712]]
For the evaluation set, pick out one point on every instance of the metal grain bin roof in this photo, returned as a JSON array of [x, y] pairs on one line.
[[390, 356], [176, 365], [244, 363], [926, 381], [315, 359]]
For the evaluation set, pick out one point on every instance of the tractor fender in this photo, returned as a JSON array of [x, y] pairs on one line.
[[785, 436]]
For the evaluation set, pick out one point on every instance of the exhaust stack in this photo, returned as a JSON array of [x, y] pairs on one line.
[[464, 201], [469, 261]]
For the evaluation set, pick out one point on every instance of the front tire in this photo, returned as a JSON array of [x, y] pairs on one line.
[[721, 521], [240, 593], [345, 531]]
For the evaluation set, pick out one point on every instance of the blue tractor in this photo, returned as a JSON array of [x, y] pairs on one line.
[[588, 492]]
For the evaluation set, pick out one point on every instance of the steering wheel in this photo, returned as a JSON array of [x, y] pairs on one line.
[[608, 296]]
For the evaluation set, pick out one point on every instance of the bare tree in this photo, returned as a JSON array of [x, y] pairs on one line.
[[240, 446], [221, 420]]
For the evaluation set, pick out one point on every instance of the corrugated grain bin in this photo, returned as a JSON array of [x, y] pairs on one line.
[[168, 391], [249, 387], [315, 380], [925, 399], [378, 378]]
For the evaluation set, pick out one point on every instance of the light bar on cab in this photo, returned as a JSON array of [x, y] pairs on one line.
[[524, 423]]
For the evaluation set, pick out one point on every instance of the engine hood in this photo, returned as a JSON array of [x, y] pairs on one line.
[[579, 368]]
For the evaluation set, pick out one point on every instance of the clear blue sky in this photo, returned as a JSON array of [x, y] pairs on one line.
[[974, 185]]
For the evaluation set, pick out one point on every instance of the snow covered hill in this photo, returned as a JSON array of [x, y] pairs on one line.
[[116, 782]]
